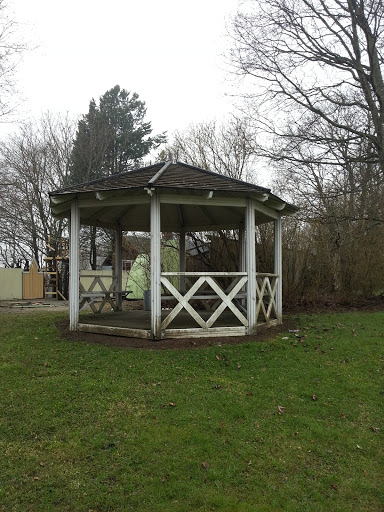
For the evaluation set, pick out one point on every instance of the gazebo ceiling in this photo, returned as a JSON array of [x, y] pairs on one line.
[[192, 199]]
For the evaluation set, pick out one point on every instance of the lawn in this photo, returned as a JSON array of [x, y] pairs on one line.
[[293, 424]]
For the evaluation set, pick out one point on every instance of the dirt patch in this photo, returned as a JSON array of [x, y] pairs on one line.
[[263, 334], [32, 306], [330, 304]]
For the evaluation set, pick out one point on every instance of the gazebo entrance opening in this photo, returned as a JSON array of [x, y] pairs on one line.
[[177, 198]]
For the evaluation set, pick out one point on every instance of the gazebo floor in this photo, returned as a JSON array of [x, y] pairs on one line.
[[137, 324]]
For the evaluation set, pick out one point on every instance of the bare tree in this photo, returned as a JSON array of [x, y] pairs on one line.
[[314, 74], [12, 48], [315, 62], [338, 230], [33, 161], [228, 148]]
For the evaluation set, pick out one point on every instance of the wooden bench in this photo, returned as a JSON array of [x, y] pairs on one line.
[[204, 297], [90, 299]]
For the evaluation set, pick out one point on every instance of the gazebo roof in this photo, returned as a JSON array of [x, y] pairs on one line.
[[192, 199]]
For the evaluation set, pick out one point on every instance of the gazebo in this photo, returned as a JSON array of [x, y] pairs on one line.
[[179, 198]]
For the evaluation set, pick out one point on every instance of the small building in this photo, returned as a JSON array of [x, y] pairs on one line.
[[178, 198]]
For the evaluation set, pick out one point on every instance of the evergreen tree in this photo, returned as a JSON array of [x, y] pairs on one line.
[[113, 137]]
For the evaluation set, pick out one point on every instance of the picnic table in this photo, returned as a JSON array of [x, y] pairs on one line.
[[97, 299]]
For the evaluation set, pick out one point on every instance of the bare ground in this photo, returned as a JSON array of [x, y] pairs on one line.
[[181, 343]]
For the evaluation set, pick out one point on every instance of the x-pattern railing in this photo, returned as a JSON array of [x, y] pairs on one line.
[[266, 285], [239, 279]]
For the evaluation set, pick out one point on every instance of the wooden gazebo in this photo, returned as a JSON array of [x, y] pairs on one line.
[[179, 198]]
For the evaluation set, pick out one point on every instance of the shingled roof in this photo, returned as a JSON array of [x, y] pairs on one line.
[[192, 199], [176, 175]]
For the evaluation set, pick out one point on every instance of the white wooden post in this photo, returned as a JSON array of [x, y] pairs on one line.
[[242, 249], [119, 266], [155, 267], [251, 265], [279, 269], [182, 260], [74, 267], [242, 256]]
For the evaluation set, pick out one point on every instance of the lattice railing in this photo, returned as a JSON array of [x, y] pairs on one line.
[[266, 286], [219, 291], [208, 287]]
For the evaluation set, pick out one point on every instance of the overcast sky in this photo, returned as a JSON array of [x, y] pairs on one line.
[[169, 52]]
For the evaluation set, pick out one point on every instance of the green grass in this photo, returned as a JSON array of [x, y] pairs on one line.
[[90, 428]]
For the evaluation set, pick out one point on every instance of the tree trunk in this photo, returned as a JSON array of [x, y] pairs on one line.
[[93, 252]]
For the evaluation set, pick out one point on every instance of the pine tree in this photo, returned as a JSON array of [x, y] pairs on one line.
[[113, 137]]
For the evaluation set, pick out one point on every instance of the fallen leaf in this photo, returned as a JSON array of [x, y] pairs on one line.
[[359, 447], [314, 397], [206, 465], [171, 404], [165, 478], [375, 429], [281, 409], [36, 478], [342, 416], [250, 393]]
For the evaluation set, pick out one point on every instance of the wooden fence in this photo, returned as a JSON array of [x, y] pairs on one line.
[[33, 283]]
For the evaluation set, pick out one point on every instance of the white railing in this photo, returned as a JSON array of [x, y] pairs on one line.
[[207, 287], [266, 286], [219, 291]]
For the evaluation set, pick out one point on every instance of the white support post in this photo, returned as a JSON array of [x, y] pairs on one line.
[[279, 269], [242, 249], [155, 267], [242, 255], [119, 267], [251, 265], [182, 260], [74, 267]]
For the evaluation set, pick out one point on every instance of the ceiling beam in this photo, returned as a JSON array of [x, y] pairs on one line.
[[61, 209], [62, 198], [269, 212], [114, 201], [202, 200]]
